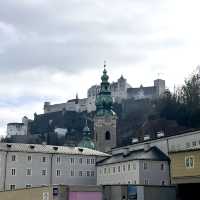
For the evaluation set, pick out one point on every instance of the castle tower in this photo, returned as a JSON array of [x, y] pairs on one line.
[[159, 84], [105, 119]]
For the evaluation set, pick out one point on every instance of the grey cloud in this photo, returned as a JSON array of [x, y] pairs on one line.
[[71, 35]]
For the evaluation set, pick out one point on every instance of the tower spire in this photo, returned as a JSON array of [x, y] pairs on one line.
[[104, 99]]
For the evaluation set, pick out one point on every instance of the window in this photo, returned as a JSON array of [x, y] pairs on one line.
[[13, 158], [28, 186], [44, 172], [129, 167], [44, 159], [113, 169], [107, 135], [92, 161], [145, 165], [104, 170], [189, 162], [72, 160], [134, 166], [194, 143], [13, 172], [58, 159], [146, 181], [124, 168], [80, 160], [29, 158], [88, 173], [72, 172], [118, 168], [80, 173], [28, 172], [187, 145], [88, 161], [109, 170], [58, 172], [12, 187], [92, 173], [162, 182], [162, 167]]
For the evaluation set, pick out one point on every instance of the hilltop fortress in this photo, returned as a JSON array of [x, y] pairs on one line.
[[120, 90]]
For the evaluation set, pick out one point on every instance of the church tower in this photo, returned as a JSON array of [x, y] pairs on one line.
[[105, 119]]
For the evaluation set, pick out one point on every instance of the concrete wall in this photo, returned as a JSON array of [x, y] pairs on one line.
[[125, 192], [42, 193], [159, 193], [115, 192]]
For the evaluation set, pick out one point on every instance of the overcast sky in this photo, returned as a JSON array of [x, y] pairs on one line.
[[50, 49]]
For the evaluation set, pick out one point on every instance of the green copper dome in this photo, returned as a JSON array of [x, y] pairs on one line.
[[104, 99], [86, 141]]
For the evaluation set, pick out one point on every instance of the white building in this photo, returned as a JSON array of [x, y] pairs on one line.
[[180, 142], [18, 128], [31, 165], [140, 167]]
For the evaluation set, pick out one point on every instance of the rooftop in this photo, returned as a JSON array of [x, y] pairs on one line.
[[152, 153], [36, 148]]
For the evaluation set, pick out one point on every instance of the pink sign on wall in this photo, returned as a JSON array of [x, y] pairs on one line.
[[85, 196]]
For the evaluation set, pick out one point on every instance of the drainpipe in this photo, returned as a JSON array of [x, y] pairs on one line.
[[51, 170], [5, 170], [169, 161]]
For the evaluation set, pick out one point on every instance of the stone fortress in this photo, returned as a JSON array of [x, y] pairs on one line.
[[120, 90]]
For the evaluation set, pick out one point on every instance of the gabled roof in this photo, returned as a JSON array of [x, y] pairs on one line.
[[153, 153], [36, 148]]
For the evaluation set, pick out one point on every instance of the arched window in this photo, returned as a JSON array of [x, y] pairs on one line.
[[107, 135]]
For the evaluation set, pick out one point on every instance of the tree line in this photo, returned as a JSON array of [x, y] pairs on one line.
[[183, 105]]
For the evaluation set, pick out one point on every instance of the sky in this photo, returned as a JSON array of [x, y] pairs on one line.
[[50, 50]]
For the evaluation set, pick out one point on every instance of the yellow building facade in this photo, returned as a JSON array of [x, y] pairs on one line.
[[185, 166]]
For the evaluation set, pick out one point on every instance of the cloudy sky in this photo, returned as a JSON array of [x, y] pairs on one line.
[[50, 49]]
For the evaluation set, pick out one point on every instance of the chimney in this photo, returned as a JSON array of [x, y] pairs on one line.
[[134, 140], [125, 152], [160, 134], [146, 137]]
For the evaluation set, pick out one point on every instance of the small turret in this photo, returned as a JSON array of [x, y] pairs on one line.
[[86, 141]]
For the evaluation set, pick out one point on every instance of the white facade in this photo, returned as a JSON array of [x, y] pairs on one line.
[[185, 141], [16, 129], [138, 172], [115, 174], [25, 165]]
